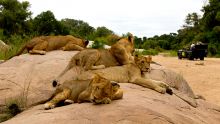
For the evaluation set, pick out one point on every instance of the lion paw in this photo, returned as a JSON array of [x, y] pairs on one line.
[[106, 101], [68, 101], [161, 90], [49, 106]]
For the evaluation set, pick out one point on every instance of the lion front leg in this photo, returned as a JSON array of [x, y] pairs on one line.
[[148, 83], [40, 48], [61, 96], [167, 87]]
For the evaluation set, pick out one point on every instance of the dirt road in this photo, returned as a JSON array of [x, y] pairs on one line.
[[202, 76]]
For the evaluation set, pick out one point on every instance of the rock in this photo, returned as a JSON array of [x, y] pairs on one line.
[[4, 47], [29, 77]]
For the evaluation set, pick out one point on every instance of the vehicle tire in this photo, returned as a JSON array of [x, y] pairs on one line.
[[201, 58], [191, 58], [179, 57]]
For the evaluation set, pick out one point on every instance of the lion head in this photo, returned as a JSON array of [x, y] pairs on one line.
[[143, 62], [102, 90]]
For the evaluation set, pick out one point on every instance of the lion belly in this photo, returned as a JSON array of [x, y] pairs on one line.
[[118, 74], [76, 87], [107, 59]]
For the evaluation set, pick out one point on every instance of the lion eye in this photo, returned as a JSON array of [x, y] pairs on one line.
[[97, 88]]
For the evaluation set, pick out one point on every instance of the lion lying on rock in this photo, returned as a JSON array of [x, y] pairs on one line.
[[119, 54], [39, 45], [131, 73], [97, 90]]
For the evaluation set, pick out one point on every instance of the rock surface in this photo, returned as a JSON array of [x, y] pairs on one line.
[[30, 76]]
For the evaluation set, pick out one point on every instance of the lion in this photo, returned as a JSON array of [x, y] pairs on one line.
[[129, 73], [98, 90], [90, 59], [123, 50], [39, 45]]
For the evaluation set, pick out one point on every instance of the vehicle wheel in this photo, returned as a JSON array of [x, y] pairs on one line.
[[191, 58], [179, 57], [202, 58]]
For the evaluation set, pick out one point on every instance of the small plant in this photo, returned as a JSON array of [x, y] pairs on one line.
[[15, 43], [147, 52], [98, 44], [12, 107]]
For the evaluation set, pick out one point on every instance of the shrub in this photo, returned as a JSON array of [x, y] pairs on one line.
[[12, 107], [147, 52], [15, 42]]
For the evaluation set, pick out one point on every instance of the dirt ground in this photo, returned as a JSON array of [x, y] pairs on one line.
[[202, 76]]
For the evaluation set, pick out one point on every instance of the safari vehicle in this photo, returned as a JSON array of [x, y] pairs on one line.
[[196, 51]]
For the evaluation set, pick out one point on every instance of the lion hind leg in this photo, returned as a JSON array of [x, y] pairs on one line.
[[61, 96], [92, 59], [41, 52], [40, 48]]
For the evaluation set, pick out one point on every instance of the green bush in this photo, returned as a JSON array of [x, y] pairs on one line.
[[12, 107], [15, 43], [98, 45], [147, 52], [150, 52]]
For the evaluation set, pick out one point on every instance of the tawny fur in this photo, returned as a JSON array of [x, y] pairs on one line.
[[97, 90], [42, 44]]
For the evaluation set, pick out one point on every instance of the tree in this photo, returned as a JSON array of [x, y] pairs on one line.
[[192, 20], [138, 42], [14, 16], [78, 28], [46, 24], [211, 14], [103, 32]]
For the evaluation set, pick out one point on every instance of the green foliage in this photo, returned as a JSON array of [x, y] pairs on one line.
[[16, 42], [102, 32], [46, 24], [147, 52], [13, 16], [138, 42], [170, 53], [12, 107], [111, 39], [78, 28], [98, 44]]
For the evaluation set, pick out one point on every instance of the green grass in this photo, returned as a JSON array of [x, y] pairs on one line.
[[12, 107], [170, 53], [16, 42], [147, 52], [4, 55]]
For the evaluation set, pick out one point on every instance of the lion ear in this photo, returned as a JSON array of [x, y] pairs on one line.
[[115, 84], [86, 42], [148, 59], [130, 38], [136, 58]]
